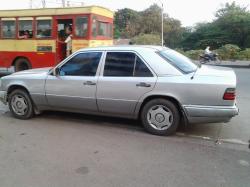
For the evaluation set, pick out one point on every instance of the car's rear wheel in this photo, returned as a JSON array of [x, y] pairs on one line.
[[160, 117], [20, 104]]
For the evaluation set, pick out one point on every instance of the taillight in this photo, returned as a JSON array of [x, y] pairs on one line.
[[229, 94]]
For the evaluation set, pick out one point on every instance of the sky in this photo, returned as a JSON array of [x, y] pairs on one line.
[[189, 12]]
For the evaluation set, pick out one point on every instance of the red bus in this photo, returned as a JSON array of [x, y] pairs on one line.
[[43, 46]]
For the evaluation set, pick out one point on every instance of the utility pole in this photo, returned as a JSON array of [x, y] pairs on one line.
[[162, 21], [44, 3], [63, 3], [162, 28], [31, 4]]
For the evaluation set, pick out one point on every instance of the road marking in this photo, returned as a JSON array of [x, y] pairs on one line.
[[193, 136], [244, 163], [217, 141], [234, 141]]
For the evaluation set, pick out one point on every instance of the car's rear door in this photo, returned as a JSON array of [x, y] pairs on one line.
[[75, 86], [124, 78]]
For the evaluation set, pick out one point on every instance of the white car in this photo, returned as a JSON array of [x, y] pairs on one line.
[[155, 84]]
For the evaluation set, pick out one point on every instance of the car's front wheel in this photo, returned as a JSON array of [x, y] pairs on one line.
[[20, 104], [160, 117]]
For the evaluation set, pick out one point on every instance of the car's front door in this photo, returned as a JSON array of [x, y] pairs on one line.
[[125, 79], [75, 86]]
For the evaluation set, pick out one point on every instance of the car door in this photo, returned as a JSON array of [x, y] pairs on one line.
[[124, 79], [75, 86]]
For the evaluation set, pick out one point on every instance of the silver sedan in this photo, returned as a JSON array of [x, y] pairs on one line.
[[155, 84]]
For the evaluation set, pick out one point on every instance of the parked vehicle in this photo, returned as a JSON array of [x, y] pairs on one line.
[[214, 57], [155, 84]]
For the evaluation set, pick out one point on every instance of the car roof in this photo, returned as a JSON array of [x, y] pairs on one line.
[[125, 47]]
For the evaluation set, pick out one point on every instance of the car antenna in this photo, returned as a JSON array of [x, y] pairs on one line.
[[192, 77], [198, 66]]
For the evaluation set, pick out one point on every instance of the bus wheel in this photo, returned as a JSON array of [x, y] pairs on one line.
[[22, 64]]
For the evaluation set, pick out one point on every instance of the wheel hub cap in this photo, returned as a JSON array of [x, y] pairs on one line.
[[160, 117], [19, 104]]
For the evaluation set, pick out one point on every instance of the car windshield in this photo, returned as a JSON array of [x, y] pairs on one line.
[[178, 60]]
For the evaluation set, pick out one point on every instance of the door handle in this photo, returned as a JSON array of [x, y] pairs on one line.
[[143, 84], [90, 83]]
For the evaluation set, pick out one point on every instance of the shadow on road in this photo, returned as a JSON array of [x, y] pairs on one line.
[[114, 122]]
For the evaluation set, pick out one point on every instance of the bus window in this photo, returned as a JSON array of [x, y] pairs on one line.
[[25, 29], [44, 29], [8, 29], [102, 31], [81, 28]]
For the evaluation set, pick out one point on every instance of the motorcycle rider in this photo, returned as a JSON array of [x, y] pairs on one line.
[[209, 53]]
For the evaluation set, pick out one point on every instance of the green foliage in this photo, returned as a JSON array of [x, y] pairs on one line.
[[180, 50], [231, 26], [126, 22], [151, 20], [194, 54], [244, 54], [227, 34], [228, 51], [146, 39], [117, 33], [130, 23]]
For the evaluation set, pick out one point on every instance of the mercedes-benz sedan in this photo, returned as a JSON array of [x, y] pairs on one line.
[[155, 84]]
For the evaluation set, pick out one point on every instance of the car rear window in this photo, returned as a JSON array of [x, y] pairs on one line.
[[178, 60]]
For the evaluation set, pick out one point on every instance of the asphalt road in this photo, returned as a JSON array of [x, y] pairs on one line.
[[61, 150]]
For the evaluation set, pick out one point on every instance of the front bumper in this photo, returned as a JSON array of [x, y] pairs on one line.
[[3, 97], [210, 114]]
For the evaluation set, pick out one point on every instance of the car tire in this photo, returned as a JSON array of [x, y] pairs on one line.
[[22, 64], [20, 104], [160, 117]]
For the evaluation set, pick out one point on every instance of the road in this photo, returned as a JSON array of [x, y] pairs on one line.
[[61, 150]]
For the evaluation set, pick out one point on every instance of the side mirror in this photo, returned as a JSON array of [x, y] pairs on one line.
[[56, 71]]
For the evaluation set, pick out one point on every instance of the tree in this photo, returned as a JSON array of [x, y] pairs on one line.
[[234, 21], [151, 20], [130, 23], [146, 39], [231, 26], [125, 21]]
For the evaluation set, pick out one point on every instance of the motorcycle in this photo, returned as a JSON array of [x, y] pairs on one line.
[[205, 58]]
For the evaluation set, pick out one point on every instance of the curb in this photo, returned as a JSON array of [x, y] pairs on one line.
[[233, 66]]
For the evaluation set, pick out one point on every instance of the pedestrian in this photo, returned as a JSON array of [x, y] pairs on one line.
[[68, 41]]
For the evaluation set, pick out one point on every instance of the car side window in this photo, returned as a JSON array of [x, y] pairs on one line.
[[141, 70], [125, 64], [119, 64], [83, 64]]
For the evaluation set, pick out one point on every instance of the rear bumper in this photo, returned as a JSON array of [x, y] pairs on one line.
[[210, 114], [3, 97]]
